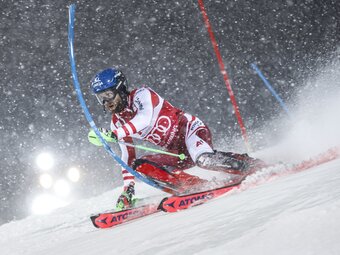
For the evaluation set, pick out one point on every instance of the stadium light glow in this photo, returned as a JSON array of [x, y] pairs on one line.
[[45, 161], [73, 174]]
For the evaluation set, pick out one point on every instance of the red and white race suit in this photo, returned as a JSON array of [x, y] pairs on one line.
[[151, 118]]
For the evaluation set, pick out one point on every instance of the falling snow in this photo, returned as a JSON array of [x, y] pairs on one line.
[[161, 44]]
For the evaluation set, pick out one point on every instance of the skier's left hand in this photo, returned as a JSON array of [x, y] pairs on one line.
[[108, 135]]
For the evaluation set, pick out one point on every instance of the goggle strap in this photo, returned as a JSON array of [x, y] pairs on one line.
[[120, 83], [99, 100]]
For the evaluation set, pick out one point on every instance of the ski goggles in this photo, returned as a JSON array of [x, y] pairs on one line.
[[106, 96]]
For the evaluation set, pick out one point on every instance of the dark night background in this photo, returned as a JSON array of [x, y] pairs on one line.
[[162, 44]]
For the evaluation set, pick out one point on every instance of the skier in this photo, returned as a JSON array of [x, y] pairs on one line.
[[143, 114]]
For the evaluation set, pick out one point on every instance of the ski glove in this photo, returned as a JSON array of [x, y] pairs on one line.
[[108, 135], [126, 199]]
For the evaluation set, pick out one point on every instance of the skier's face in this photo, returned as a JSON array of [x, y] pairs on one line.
[[114, 105], [111, 100]]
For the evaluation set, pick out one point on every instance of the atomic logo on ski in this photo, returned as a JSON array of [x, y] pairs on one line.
[[110, 219], [177, 203], [192, 200], [171, 204]]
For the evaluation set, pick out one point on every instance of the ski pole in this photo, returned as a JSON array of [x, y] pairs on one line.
[[94, 139], [181, 156]]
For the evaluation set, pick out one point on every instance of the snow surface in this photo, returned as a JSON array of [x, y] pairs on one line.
[[295, 214]]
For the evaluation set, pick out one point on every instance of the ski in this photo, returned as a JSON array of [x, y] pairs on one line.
[[111, 219], [182, 202]]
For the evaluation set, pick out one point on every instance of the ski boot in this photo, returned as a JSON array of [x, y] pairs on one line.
[[126, 199], [228, 162]]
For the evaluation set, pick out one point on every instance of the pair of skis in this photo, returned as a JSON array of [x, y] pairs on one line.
[[182, 202], [168, 204]]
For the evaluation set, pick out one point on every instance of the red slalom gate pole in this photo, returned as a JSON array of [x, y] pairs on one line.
[[224, 73]]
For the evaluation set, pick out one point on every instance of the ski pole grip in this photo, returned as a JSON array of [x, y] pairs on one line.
[[181, 156]]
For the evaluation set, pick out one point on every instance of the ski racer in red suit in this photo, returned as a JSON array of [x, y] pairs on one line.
[[143, 114]]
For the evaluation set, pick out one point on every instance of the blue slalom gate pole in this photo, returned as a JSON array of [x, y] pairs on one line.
[[271, 89], [85, 109]]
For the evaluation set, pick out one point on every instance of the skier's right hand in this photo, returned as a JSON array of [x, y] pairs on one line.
[[108, 135]]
